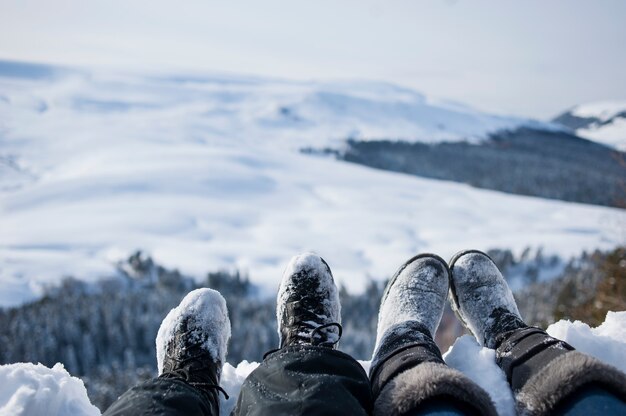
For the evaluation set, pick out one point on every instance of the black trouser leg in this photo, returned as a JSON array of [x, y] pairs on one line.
[[306, 380], [409, 377], [167, 397], [545, 372]]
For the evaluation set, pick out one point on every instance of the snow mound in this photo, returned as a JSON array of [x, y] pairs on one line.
[[479, 364], [232, 379], [33, 389], [606, 342], [205, 308]]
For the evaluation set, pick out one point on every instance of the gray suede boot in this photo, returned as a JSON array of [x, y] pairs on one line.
[[542, 371], [407, 370]]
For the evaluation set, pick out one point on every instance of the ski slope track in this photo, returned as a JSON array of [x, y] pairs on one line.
[[206, 173]]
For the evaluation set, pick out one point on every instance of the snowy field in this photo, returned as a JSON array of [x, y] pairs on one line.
[[33, 390], [205, 173]]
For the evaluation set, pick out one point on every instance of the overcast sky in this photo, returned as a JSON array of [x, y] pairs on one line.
[[532, 57]]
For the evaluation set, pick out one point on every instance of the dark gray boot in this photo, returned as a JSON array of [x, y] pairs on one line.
[[191, 348], [192, 343]]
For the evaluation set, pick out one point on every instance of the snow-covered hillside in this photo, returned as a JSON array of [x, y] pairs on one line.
[[603, 122], [205, 173]]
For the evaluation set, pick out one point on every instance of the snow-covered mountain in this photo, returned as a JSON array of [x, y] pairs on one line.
[[205, 172], [603, 122]]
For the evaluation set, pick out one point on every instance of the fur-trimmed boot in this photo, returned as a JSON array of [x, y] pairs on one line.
[[408, 372], [543, 371]]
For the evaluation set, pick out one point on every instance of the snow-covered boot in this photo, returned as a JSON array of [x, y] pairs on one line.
[[481, 298], [407, 368], [542, 370], [192, 340], [307, 307]]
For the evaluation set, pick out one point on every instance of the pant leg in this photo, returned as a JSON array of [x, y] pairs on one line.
[[439, 408], [545, 372], [306, 380], [410, 378], [167, 397], [591, 401]]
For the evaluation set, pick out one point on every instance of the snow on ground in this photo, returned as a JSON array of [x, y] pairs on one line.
[[35, 390], [27, 389], [478, 363], [204, 173], [611, 128]]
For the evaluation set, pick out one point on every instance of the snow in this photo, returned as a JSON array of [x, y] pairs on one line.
[[35, 390], [607, 342], [613, 133], [28, 389], [479, 364], [602, 110], [205, 173], [207, 314], [231, 381]]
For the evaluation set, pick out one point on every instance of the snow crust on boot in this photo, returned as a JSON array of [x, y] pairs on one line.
[[481, 298], [417, 292], [205, 317], [308, 299]]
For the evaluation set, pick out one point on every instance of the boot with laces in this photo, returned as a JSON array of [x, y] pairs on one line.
[[191, 343], [308, 310]]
